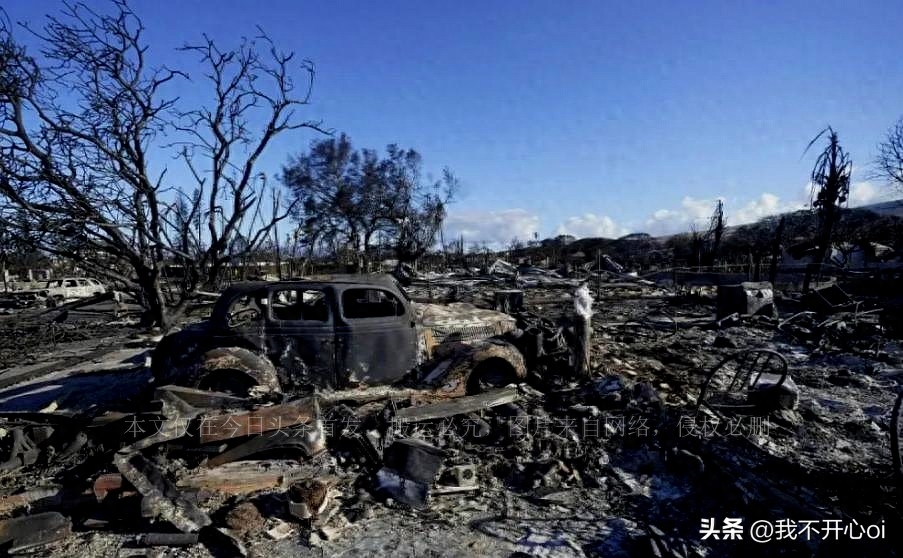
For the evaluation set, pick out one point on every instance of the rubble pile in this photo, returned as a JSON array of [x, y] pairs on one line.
[[629, 416]]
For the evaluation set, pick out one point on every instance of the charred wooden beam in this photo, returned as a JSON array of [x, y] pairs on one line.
[[168, 502], [239, 478]]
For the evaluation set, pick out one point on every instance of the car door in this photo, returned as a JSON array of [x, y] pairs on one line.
[[84, 288], [71, 289], [95, 287], [376, 341], [300, 335]]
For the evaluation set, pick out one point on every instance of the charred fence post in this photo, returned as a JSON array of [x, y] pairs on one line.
[[583, 329]]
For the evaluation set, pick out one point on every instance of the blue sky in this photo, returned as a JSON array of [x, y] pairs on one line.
[[590, 118]]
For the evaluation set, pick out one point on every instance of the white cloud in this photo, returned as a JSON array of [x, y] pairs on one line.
[[498, 227], [495, 228], [698, 212], [767, 204], [691, 211], [861, 193], [591, 225], [865, 193]]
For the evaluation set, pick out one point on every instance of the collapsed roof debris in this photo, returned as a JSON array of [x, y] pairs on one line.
[[564, 426]]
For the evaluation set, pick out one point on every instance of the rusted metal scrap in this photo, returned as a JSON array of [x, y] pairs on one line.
[[472, 368], [411, 466]]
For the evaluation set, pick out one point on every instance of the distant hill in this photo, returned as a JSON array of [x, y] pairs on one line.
[[880, 223], [589, 244], [894, 208]]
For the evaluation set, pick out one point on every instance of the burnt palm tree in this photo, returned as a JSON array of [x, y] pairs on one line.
[[830, 188]]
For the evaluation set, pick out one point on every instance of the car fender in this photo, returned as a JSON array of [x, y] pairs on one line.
[[257, 368], [457, 366]]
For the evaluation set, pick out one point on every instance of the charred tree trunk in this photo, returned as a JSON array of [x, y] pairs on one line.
[[831, 177], [776, 251]]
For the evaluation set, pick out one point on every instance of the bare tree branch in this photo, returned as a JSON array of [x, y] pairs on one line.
[[77, 130]]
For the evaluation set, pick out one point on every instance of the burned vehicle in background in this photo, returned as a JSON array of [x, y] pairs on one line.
[[340, 333], [56, 292]]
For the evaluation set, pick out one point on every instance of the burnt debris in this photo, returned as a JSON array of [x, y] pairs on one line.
[[306, 412]]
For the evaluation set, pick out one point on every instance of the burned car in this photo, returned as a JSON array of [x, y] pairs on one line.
[[335, 334], [56, 292]]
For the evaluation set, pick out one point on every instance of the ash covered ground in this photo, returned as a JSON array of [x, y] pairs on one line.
[[620, 461]]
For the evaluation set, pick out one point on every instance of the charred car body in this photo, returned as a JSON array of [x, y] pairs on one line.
[[337, 334], [55, 292]]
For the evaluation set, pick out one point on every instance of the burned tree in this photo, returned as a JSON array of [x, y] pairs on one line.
[[697, 246], [752, 244], [85, 124], [830, 188], [716, 232], [328, 185], [347, 196], [889, 162], [416, 209]]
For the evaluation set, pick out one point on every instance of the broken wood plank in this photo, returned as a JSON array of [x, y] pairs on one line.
[[459, 406], [248, 476], [235, 484], [215, 428]]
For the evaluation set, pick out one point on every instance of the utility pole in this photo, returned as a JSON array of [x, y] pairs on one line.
[[276, 200]]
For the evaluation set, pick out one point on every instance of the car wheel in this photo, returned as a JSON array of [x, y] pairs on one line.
[[491, 374]]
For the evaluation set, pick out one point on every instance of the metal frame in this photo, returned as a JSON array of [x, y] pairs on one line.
[[749, 362]]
